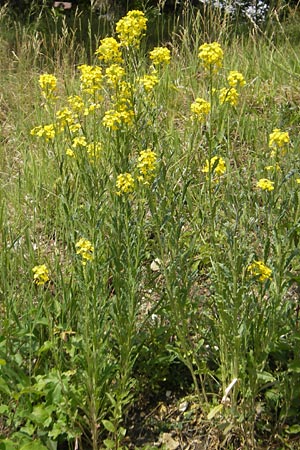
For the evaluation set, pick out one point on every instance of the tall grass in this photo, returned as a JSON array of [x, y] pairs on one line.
[[158, 276]]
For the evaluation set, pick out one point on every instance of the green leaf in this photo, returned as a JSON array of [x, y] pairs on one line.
[[29, 428], [294, 429], [214, 411], [8, 445], [4, 409], [47, 345], [294, 367], [109, 443], [109, 426], [34, 445], [122, 431], [4, 387], [41, 415], [266, 377]]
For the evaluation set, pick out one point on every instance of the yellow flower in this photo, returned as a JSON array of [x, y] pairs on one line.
[[65, 117], [278, 140], [91, 78], [160, 55], [200, 108], [125, 183], [79, 141], [147, 162], [109, 51], [40, 274], [148, 81], [211, 55], [131, 28], [76, 103], [265, 184], [215, 165], [114, 74], [236, 79], [260, 270], [114, 118], [70, 152], [85, 249], [229, 95], [46, 131], [75, 127], [48, 84]]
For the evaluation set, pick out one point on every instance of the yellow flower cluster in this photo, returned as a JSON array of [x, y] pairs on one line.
[[114, 118], [160, 55], [40, 274], [236, 79], [211, 55], [146, 165], [215, 165], [149, 81], [229, 95], [265, 184], [85, 249], [259, 270], [46, 131], [125, 183], [65, 117], [131, 28], [91, 78], [76, 103], [278, 140], [114, 74], [200, 109], [48, 84], [109, 51]]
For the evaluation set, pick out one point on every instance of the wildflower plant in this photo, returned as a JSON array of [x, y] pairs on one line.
[[160, 55], [131, 28], [85, 249], [211, 55], [143, 184]]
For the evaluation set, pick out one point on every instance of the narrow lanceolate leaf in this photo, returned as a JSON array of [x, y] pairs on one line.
[[217, 409]]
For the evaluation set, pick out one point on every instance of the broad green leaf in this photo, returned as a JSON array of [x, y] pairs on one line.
[[109, 426], [34, 445], [29, 428], [294, 366], [4, 409], [6, 444], [109, 443]]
